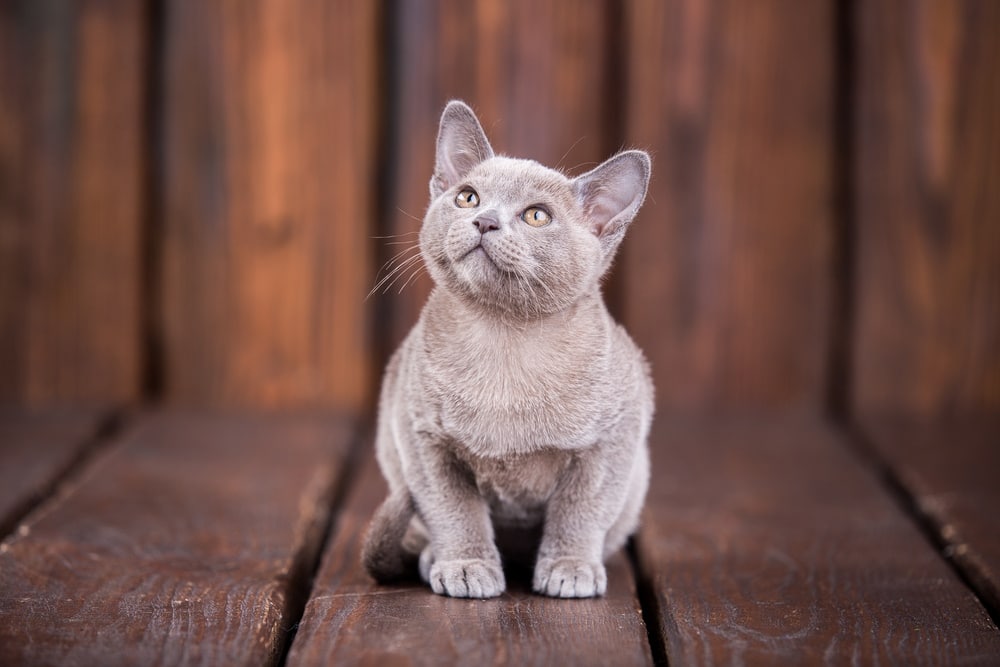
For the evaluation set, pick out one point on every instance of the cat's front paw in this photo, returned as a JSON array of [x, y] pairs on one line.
[[469, 578], [569, 578]]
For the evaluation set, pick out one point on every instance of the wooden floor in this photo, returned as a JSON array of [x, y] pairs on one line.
[[195, 538]]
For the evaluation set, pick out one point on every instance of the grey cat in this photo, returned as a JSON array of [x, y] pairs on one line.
[[516, 402]]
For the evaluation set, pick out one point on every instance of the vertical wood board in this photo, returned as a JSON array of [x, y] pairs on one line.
[[269, 147], [72, 178], [928, 208], [729, 276]]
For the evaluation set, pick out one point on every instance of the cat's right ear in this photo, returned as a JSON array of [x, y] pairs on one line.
[[461, 145]]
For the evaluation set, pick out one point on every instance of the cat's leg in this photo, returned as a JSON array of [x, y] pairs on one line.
[[589, 499], [462, 559], [628, 520], [383, 554]]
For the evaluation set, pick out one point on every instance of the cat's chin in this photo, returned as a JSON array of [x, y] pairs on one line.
[[477, 265]]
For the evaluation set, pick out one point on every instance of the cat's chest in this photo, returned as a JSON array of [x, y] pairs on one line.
[[518, 487], [509, 398]]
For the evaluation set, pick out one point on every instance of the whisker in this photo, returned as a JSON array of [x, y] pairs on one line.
[[420, 269], [389, 261], [568, 151], [402, 266], [394, 236], [409, 215], [400, 275]]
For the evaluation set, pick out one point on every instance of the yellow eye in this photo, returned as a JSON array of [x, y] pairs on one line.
[[467, 198], [536, 217]]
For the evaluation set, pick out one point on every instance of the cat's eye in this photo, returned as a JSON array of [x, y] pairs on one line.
[[536, 216], [467, 198]]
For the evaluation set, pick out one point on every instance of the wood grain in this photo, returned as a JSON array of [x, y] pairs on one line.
[[928, 164], [350, 620], [766, 542], [730, 265], [951, 470], [269, 159], [37, 448], [180, 546], [72, 173], [539, 74]]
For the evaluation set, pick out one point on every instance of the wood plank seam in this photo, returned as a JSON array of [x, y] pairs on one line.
[[927, 524], [303, 580], [844, 237], [89, 450], [651, 610], [152, 362]]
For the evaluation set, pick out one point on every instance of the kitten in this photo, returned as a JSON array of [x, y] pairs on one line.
[[516, 401]]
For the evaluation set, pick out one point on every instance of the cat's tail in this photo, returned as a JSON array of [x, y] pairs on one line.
[[383, 554]]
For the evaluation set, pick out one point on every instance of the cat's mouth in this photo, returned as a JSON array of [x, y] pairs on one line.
[[479, 250]]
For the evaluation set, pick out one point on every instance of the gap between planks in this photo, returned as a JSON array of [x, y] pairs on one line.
[[302, 586], [103, 432], [907, 500]]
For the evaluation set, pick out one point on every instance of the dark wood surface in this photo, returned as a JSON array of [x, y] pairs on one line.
[[37, 448], [191, 538], [767, 542], [350, 620], [729, 268], [72, 184], [184, 544], [928, 206], [951, 469], [541, 77], [269, 133]]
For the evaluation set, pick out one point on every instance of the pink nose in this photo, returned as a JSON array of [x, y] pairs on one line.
[[486, 223]]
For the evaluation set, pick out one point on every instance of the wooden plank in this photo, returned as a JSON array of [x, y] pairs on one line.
[[767, 542], [730, 263], [350, 620], [72, 174], [37, 448], [928, 164], [950, 468], [539, 74], [183, 545], [269, 160]]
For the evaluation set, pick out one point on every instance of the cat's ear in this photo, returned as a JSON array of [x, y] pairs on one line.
[[461, 145], [611, 195]]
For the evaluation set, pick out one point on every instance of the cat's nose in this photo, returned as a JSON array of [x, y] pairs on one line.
[[486, 223]]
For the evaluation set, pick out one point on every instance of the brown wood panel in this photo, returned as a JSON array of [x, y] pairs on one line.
[[181, 546], [766, 542], [730, 264], [540, 75], [952, 471], [37, 448], [72, 173], [269, 157], [928, 206], [350, 620]]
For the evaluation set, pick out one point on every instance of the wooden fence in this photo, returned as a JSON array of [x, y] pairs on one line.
[[192, 193]]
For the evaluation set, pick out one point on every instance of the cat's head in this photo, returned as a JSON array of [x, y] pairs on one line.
[[515, 236]]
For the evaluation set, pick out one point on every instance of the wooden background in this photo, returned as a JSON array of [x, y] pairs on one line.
[[191, 192]]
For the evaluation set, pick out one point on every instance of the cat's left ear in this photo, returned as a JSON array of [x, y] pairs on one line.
[[611, 195], [461, 145]]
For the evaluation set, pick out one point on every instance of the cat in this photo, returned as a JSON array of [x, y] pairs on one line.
[[516, 402]]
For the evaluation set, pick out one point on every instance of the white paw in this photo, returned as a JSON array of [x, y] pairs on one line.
[[569, 578], [471, 578]]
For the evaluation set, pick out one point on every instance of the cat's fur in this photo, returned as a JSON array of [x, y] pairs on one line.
[[516, 401]]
